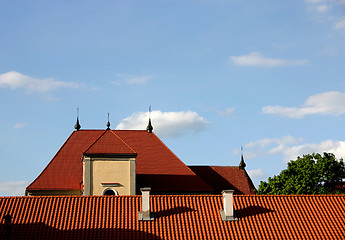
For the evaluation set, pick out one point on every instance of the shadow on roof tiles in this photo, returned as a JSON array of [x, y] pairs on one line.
[[172, 211], [42, 231], [252, 211]]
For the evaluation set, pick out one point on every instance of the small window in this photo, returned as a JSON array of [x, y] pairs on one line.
[[110, 191]]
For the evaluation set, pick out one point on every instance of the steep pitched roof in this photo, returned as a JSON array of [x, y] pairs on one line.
[[225, 177], [156, 165], [65, 170], [109, 143], [159, 167], [176, 217]]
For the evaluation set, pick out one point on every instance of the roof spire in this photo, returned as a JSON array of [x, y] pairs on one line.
[[77, 125], [108, 123], [242, 163], [149, 127]]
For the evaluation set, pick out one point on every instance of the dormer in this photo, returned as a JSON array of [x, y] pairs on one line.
[[109, 167]]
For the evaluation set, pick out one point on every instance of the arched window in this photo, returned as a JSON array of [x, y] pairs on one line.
[[110, 191]]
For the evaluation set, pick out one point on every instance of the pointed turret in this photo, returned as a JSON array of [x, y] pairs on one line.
[[108, 123], [149, 127], [77, 125], [242, 163]]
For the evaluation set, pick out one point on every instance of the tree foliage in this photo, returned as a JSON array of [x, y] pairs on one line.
[[310, 174]]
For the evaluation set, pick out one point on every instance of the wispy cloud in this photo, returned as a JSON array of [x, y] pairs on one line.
[[131, 79], [318, 6], [323, 11], [290, 148], [13, 188], [256, 173], [19, 125], [340, 23], [260, 148], [327, 103], [332, 146], [227, 111], [255, 59], [15, 80], [166, 124]]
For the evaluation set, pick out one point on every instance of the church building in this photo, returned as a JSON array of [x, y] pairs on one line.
[[120, 162]]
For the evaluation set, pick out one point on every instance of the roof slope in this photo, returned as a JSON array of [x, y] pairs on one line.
[[176, 217], [109, 143], [65, 170], [225, 177], [156, 165]]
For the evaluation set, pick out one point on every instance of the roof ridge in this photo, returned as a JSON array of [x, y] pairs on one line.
[[174, 154], [104, 131], [249, 180], [116, 137], [190, 170], [122, 141]]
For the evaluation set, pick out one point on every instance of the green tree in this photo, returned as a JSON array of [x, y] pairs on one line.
[[310, 174]]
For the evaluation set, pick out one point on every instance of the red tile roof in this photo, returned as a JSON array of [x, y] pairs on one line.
[[176, 217], [225, 177], [65, 170], [156, 165], [109, 143]]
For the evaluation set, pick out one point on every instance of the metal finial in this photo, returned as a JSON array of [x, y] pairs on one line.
[[149, 127], [77, 125], [108, 123], [242, 163]]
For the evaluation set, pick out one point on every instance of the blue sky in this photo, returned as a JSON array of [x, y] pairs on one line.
[[265, 75]]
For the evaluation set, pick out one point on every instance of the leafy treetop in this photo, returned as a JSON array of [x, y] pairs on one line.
[[310, 174]]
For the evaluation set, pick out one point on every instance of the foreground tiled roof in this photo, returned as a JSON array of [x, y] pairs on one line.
[[156, 165], [176, 217], [225, 177]]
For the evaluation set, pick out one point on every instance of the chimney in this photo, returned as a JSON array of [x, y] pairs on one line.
[[228, 213], [145, 214]]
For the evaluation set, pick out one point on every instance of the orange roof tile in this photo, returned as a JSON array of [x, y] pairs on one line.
[[176, 217]]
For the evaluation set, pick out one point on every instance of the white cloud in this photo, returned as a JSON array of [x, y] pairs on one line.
[[15, 80], [340, 24], [256, 59], [13, 188], [327, 103], [227, 111], [322, 8], [166, 124], [19, 125], [290, 148], [323, 11], [286, 140], [262, 147], [256, 173], [331, 146], [131, 79]]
